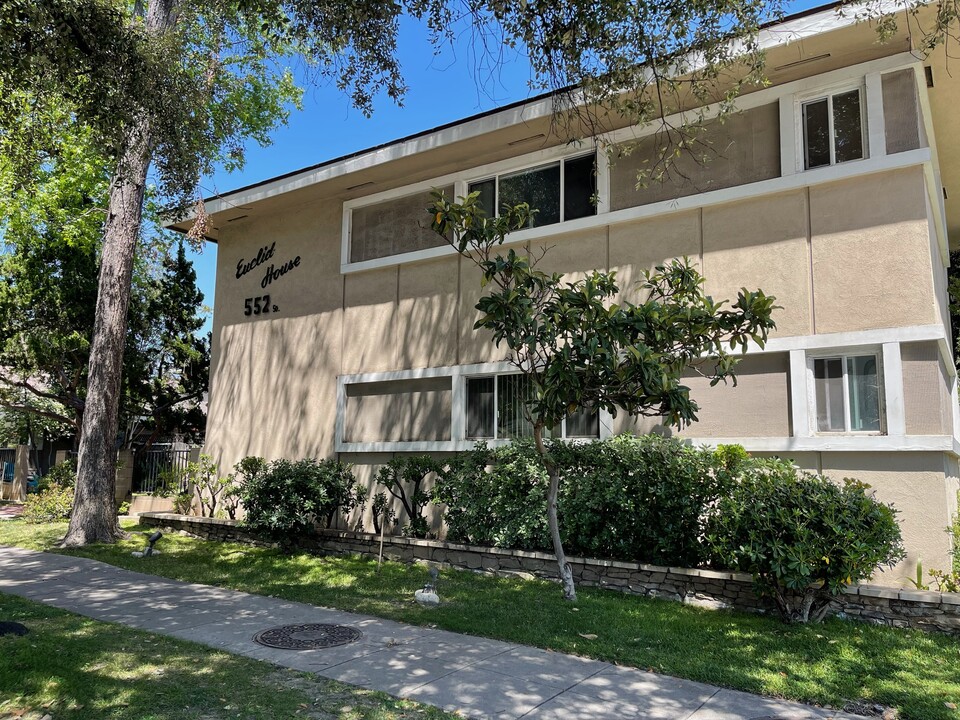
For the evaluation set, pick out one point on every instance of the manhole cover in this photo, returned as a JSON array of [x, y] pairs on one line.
[[307, 637]]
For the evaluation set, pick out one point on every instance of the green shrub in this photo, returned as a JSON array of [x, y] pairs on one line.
[[496, 497], [64, 475], [639, 499], [801, 536], [403, 477], [53, 504], [628, 498], [183, 503], [383, 515], [286, 499]]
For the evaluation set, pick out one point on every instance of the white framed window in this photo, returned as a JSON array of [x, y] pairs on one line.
[[833, 127], [494, 411], [562, 190], [847, 393]]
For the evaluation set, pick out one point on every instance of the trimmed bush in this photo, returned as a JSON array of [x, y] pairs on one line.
[[496, 497], [640, 499], [53, 504], [284, 500], [801, 536]]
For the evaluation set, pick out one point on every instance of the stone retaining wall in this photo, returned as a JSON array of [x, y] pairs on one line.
[[881, 605]]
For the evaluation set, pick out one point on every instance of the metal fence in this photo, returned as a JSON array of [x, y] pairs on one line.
[[149, 466]]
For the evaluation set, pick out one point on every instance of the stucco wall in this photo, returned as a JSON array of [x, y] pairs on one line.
[[871, 253], [273, 379], [827, 253], [917, 484], [758, 406], [926, 390]]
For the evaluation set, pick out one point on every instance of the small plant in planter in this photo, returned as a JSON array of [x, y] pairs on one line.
[[384, 516], [403, 477], [802, 537], [210, 487], [183, 503]]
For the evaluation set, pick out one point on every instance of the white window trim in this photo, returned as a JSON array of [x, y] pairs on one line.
[[828, 92], [844, 353], [459, 181], [496, 424], [803, 438], [458, 409], [582, 153]]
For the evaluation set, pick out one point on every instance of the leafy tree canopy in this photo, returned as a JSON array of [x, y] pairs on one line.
[[50, 224]]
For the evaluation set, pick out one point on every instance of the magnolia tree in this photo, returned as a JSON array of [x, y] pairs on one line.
[[580, 348]]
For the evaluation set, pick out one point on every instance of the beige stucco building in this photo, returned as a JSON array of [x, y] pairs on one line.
[[342, 327]]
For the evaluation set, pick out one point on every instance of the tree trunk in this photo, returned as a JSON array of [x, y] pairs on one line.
[[566, 573], [94, 517]]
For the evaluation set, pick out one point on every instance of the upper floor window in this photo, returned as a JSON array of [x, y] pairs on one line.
[[495, 410], [847, 394], [559, 191], [833, 129]]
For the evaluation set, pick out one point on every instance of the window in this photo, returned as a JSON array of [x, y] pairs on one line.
[[495, 411], [833, 129], [393, 227], [847, 394], [559, 191]]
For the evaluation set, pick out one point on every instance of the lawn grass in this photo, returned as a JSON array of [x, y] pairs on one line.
[[832, 664], [69, 667]]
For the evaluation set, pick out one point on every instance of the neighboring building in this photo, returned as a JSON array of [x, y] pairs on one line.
[[342, 326]]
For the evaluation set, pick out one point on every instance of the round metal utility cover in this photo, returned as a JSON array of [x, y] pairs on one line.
[[312, 636], [13, 628]]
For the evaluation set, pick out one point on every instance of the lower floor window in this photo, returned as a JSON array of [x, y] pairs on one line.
[[847, 393], [495, 410]]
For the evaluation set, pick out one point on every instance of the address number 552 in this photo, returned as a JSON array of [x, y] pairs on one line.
[[258, 306]]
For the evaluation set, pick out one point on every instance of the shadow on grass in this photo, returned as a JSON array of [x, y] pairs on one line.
[[832, 663], [73, 667]]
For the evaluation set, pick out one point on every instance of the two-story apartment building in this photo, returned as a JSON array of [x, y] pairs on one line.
[[343, 326]]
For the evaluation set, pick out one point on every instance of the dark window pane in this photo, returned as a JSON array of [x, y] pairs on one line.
[[863, 387], [847, 127], [816, 134], [538, 188], [488, 195], [579, 187], [583, 424], [511, 415], [480, 407], [828, 380]]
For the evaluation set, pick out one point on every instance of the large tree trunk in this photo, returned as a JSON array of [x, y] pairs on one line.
[[566, 573], [94, 517]]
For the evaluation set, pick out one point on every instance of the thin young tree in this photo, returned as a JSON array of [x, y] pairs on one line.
[[577, 347]]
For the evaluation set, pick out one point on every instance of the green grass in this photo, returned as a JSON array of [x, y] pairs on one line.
[[72, 667], [832, 664]]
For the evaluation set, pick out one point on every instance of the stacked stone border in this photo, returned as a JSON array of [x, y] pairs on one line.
[[925, 610]]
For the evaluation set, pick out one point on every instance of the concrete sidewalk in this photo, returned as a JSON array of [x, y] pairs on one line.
[[478, 677]]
